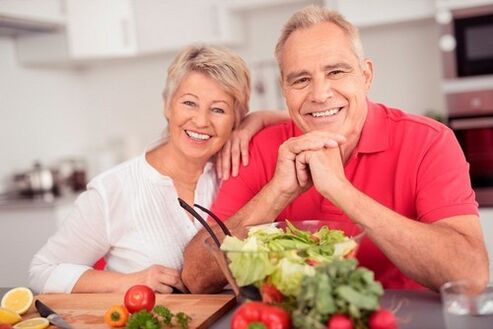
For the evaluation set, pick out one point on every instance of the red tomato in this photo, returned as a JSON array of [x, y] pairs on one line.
[[139, 297], [382, 319], [270, 294], [339, 321]]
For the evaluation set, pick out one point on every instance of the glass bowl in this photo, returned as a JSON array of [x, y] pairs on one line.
[[279, 254]]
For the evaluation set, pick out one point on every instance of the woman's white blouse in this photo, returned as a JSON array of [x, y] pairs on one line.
[[131, 216]]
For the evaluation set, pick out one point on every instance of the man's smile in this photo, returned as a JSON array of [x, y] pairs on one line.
[[326, 113]]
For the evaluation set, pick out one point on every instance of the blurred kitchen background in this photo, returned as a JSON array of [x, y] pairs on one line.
[[81, 82]]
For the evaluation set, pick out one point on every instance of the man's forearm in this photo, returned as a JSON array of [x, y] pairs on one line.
[[430, 254]]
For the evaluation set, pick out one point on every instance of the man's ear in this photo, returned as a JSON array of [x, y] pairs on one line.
[[368, 72]]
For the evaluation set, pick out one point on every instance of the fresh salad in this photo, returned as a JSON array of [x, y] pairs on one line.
[[271, 255]]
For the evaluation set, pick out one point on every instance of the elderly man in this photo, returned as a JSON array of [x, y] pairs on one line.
[[402, 177]]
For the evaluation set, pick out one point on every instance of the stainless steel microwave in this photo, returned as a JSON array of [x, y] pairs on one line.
[[467, 42]]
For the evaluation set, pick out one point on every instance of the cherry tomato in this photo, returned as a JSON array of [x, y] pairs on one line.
[[139, 297]]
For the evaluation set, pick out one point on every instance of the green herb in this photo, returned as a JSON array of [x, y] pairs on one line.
[[142, 320], [182, 320], [160, 316], [165, 314], [338, 287]]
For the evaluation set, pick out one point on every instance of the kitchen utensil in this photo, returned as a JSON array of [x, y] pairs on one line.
[[51, 315], [86, 311], [36, 181], [250, 291], [274, 258]]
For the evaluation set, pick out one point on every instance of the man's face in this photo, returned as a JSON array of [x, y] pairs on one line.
[[324, 82]]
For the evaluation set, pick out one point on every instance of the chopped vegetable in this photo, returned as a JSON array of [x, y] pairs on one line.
[[270, 294], [260, 315], [283, 257], [116, 316]]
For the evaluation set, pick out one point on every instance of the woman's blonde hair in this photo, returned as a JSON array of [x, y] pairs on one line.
[[312, 15], [218, 63]]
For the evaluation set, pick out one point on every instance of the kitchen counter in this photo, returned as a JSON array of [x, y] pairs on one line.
[[21, 203], [26, 226], [414, 310]]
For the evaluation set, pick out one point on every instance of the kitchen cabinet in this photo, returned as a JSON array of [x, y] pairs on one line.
[[379, 12], [25, 229], [49, 11], [106, 29]]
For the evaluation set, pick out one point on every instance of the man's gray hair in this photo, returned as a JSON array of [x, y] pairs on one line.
[[312, 15]]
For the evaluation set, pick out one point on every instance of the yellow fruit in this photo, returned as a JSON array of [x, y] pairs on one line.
[[8, 316], [18, 300], [34, 323]]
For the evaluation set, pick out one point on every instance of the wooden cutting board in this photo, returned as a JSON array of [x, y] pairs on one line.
[[87, 310]]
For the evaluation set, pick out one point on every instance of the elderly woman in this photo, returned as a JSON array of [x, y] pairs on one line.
[[130, 214]]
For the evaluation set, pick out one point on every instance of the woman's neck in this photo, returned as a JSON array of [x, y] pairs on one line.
[[170, 162]]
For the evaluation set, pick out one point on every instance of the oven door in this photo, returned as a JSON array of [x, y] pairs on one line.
[[475, 135]]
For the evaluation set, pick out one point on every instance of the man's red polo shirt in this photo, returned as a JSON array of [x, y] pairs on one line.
[[411, 164]]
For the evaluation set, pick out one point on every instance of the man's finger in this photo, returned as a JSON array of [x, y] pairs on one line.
[[244, 151], [235, 157], [226, 160]]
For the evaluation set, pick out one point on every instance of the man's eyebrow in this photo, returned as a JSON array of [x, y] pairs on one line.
[[293, 75], [344, 66]]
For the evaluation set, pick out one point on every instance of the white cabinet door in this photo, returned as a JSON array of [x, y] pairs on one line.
[[168, 26], [100, 28], [35, 10]]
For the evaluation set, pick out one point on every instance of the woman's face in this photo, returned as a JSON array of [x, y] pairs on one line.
[[200, 116]]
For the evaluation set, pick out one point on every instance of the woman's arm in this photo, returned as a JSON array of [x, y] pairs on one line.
[[64, 263], [236, 148]]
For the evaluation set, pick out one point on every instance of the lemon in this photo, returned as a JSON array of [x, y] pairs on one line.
[[8, 316], [18, 300], [34, 323]]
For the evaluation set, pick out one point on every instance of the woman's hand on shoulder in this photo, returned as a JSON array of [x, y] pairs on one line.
[[235, 151], [160, 278]]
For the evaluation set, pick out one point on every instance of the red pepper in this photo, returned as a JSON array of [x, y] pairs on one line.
[[257, 315]]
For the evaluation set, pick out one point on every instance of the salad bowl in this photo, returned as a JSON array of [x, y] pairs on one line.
[[273, 257]]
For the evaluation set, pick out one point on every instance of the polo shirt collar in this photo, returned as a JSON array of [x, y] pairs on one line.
[[375, 134]]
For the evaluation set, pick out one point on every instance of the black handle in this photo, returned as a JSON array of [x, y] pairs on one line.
[[218, 221], [43, 310], [202, 221]]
